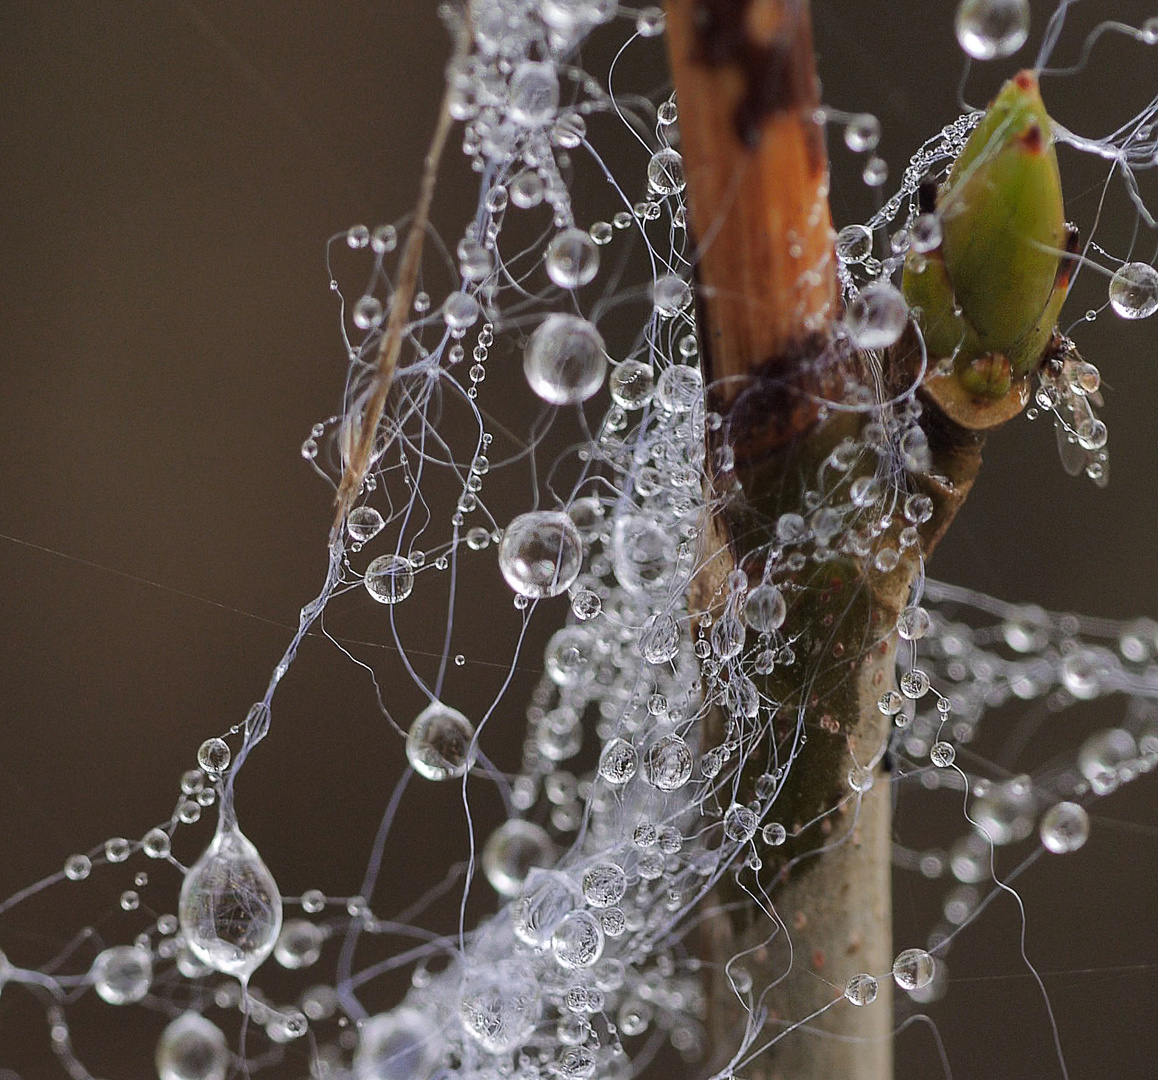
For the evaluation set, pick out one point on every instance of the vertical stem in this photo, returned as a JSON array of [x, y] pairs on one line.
[[757, 175]]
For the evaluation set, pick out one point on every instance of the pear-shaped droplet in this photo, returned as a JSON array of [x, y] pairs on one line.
[[230, 909]]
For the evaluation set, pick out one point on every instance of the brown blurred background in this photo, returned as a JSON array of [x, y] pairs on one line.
[[170, 172]]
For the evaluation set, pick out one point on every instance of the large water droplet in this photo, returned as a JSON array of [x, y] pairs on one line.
[[992, 29], [877, 316], [541, 553], [389, 579], [1134, 290], [230, 909], [913, 969], [1065, 827], [192, 1048], [123, 974], [564, 359], [402, 1044], [514, 849], [665, 172], [438, 744]]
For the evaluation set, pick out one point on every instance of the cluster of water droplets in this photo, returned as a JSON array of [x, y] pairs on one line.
[[626, 809]]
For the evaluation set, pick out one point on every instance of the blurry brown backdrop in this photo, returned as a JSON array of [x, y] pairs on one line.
[[169, 172]]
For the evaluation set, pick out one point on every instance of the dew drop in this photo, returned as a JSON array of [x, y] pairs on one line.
[[192, 1048], [877, 316], [861, 990], [665, 172], [1134, 290], [671, 295], [299, 945], [230, 909], [1065, 827], [618, 762], [512, 851], [862, 133], [402, 1044], [541, 553], [913, 969], [389, 579], [632, 384], [572, 259], [564, 359], [667, 764], [499, 1006], [992, 29], [123, 974], [438, 744], [364, 523], [534, 90]]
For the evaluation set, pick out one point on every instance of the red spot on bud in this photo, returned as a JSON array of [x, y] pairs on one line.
[[1032, 139]]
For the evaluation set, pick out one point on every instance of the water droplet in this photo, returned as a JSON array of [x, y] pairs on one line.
[[299, 945], [861, 990], [649, 22], [942, 754], [765, 609], [213, 756], [604, 885], [500, 1006], [578, 940], [364, 523], [123, 974], [230, 909], [534, 90], [564, 359], [665, 172], [667, 764], [914, 683], [679, 388], [774, 834], [460, 311], [438, 744], [1065, 827], [877, 316], [77, 867], [992, 29], [367, 312], [572, 259], [740, 823], [512, 851], [632, 384], [156, 844], [541, 553], [913, 623], [671, 295], [402, 1044], [313, 901], [913, 969], [192, 1048], [876, 171], [925, 233], [854, 244], [389, 579], [862, 133], [586, 605], [618, 762], [1134, 290]]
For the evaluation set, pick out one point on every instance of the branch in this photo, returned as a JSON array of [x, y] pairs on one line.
[[753, 143]]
